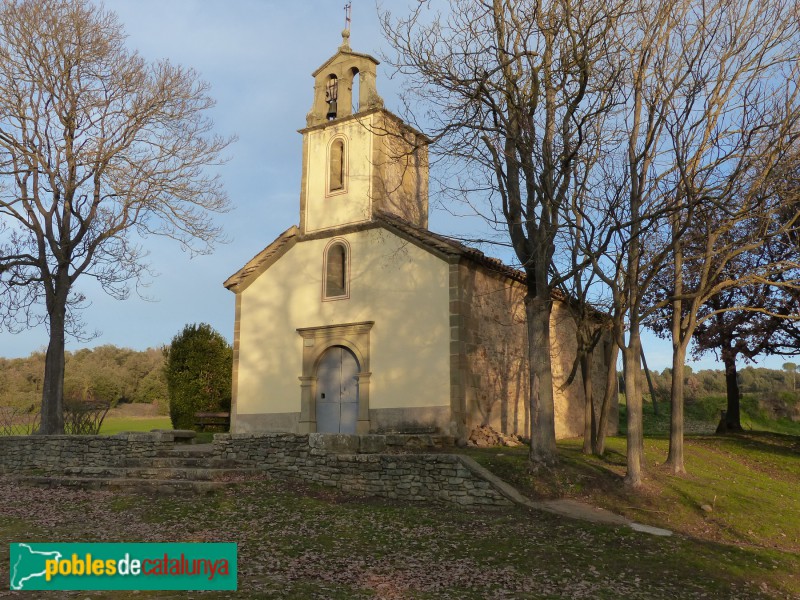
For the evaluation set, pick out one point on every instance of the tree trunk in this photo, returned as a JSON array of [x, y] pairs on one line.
[[588, 402], [635, 437], [612, 351], [675, 456], [543, 429], [52, 416], [733, 414]]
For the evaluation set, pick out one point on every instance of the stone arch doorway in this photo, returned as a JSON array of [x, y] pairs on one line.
[[353, 338], [337, 391]]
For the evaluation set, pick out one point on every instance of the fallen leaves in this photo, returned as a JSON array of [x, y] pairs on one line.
[[303, 542]]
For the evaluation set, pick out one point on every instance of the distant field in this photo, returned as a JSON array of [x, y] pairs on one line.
[[115, 425]]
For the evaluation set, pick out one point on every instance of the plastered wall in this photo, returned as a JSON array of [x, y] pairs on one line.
[[399, 286], [323, 208]]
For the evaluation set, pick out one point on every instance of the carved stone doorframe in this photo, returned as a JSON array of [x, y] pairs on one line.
[[316, 340]]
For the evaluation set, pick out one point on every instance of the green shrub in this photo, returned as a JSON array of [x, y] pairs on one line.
[[706, 408], [198, 373], [750, 407]]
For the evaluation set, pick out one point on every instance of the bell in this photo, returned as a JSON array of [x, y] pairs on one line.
[[331, 110]]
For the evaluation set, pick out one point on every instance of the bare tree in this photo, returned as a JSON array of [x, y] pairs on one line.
[[683, 61], [646, 54], [747, 321], [589, 232], [732, 128], [98, 149], [514, 90]]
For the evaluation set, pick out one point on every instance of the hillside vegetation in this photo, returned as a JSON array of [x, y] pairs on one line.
[[121, 375], [767, 394], [105, 373]]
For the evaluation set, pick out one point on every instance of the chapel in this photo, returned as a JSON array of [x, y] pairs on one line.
[[361, 320]]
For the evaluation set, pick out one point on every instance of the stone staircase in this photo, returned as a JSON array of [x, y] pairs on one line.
[[190, 469]]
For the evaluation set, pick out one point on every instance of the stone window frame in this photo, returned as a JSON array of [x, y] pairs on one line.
[[316, 341], [339, 137], [344, 244]]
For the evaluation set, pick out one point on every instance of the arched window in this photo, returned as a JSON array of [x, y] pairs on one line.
[[335, 285], [337, 166]]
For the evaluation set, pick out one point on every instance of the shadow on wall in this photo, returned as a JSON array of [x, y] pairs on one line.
[[496, 377]]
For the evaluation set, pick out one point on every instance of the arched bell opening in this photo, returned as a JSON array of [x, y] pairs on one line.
[[332, 96], [355, 90]]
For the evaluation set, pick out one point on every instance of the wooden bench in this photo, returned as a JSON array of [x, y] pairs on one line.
[[212, 419]]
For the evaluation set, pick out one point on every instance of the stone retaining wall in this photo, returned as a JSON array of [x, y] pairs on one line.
[[52, 453], [242, 445], [391, 466], [363, 464]]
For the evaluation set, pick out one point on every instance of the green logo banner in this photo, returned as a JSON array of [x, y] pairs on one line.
[[122, 566]]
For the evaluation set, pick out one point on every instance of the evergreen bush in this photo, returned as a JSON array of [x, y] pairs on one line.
[[198, 373]]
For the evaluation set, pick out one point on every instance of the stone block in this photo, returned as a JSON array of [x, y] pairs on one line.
[[372, 444], [334, 443]]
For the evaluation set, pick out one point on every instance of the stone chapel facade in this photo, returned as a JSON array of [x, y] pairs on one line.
[[360, 319]]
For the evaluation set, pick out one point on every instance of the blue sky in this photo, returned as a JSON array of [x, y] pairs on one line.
[[258, 56]]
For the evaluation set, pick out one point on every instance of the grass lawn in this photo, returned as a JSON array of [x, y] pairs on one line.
[[702, 415], [750, 481], [305, 542], [115, 425]]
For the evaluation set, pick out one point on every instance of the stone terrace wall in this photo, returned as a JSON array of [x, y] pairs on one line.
[[366, 464], [55, 452], [391, 466]]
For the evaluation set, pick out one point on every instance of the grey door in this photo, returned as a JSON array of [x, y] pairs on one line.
[[337, 391]]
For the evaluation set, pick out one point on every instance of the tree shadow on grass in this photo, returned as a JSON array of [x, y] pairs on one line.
[[741, 445]]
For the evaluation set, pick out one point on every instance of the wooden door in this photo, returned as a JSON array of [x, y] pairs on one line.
[[337, 391]]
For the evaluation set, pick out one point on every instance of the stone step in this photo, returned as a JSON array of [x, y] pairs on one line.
[[160, 486], [169, 462], [163, 473]]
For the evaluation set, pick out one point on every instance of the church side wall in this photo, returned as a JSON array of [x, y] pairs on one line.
[[395, 284], [495, 346], [496, 365], [569, 408]]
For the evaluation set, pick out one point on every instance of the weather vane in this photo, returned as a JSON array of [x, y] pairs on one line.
[[347, 8]]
